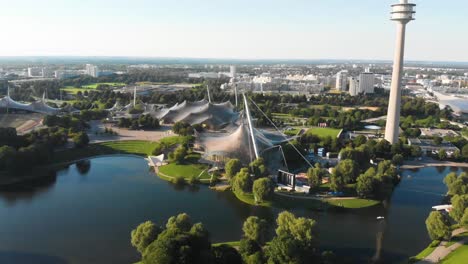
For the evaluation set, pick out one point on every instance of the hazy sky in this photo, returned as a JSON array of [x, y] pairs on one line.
[[248, 29]]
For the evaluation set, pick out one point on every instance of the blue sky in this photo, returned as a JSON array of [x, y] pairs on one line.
[[255, 29]]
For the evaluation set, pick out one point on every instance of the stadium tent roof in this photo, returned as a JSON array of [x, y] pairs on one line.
[[238, 143], [213, 115], [38, 106]]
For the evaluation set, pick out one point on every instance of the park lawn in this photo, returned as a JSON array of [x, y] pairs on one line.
[[248, 198], [355, 203], [174, 140], [134, 147], [292, 132], [426, 252], [95, 85], [185, 170], [323, 132], [287, 202], [234, 244], [88, 87], [460, 255], [456, 238]]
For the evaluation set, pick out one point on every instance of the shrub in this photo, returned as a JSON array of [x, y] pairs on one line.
[[179, 180]]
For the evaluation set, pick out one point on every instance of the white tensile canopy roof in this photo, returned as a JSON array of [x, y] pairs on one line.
[[213, 115]]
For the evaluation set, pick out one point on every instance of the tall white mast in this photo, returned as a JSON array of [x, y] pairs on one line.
[[208, 90], [402, 13], [249, 119], [235, 93]]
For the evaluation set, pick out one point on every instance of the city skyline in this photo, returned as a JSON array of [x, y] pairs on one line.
[[360, 30]]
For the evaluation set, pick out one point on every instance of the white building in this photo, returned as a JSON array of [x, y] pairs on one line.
[[233, 71], [354, 86], [366, 82], [35, 72], [92, 70], [342, 80]]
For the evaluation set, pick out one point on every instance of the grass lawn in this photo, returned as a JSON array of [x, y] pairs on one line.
[[460, 255], [281, 201], [426, 252], [135, 147], [292, 132], [353, 203], [231, 243], [75, 90], [457, 238], [324, 132], [185, 170]]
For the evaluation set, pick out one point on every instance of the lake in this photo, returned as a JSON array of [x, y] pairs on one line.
[[85, 213]]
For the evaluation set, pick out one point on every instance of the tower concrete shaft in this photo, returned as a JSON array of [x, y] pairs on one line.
[[402, 13]]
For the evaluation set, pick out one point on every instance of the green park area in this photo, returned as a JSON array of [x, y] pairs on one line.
[[93, 86], [323, 132], [460, 255], [133, 147], [186, 170], [291, 201]]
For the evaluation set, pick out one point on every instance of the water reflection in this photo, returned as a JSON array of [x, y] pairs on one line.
[[83, 166], [29, 187], [118, 193]]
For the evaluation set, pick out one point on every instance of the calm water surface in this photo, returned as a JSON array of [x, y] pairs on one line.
[[84, 214]]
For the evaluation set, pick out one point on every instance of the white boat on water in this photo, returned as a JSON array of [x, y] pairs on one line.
[[380, 217]]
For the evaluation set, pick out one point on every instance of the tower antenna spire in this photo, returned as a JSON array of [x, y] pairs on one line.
[[402, 13]]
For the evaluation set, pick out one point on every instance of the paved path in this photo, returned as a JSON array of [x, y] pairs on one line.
[[441, 251], [125, 134], [432, 163]]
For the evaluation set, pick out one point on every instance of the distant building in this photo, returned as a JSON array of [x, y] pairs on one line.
[[206, 75], [63, 74], [354, 86], [366, 82], [233, 71], [342, 80], [92, 70], [35, 72], [428, 146]]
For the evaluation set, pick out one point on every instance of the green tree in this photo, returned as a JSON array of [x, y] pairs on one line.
[[179, 154], [397, 159], [348, 170], [262, 189], [225, 254], [7, 155], [450, 179], [294, 241], [442, 154], [437, 140], [180, 222], [337, 182], [464, 219], [437, 226], [255, 229], [315, 175], [465, 151], [365, 183], [233, 166], [242, 181], [459, 204], [81, 139], [360, 140], [180, 242], [300, 228], [143, 235], [258, 168]]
